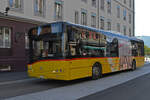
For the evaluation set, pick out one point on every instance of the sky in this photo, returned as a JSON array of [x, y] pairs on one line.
[[142, 17]]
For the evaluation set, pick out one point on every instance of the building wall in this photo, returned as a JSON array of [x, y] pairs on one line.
[[69, 8], [120, 20], [20, 20], [15, 56]]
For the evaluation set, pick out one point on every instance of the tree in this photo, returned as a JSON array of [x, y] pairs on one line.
[[146, 50]]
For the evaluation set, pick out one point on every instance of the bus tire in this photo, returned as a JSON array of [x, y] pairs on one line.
[[133, 65], [96, 71]]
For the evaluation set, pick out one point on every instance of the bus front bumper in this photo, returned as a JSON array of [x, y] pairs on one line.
[[48, 75]]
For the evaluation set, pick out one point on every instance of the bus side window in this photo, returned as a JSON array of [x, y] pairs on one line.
[[140, 50], [70, 33], [137, 48], [72, 50], [134, 49], [114, 48]]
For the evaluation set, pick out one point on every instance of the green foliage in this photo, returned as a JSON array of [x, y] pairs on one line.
[[147, 50]]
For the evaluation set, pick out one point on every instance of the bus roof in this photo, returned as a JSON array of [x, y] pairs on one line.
[[107, 33]]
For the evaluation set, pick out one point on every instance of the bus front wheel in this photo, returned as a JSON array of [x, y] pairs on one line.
[[96, 71]]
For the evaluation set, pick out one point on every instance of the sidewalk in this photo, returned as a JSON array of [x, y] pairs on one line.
[[12, 76]]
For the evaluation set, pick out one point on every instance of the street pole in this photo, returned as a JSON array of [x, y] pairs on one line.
[[98, 14], [133, 17]]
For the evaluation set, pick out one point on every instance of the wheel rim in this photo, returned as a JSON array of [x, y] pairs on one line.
[[96, 71]]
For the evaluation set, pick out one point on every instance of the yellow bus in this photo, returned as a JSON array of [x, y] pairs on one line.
[[67, 51]]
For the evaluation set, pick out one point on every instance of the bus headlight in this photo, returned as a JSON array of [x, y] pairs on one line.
[[53, 71], [57, 71]]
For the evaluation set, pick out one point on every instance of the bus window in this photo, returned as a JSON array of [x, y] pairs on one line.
[[93, 51], [70, 33], [87, 35], [46, 49], [96, 53], [137, 48], [73, 34], [37, 47], [140, 49], [72, 50], [113, 48], [134, 49]]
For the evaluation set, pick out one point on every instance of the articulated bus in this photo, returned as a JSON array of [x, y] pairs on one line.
[[67, 51]]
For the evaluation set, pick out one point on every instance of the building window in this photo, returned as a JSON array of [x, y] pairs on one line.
[[124, 30], [118, 27], [58, 10], [130, 3], [93, 20], [102, 4], [94, 3], [108, 25], [102, 23], [85, 1], [118, 11], [124, 1], [39, 7], [26, 41], [109, 6], [5, 37], [76, 17], [84, 17], [129, 18], [124, 14], [16, 4]]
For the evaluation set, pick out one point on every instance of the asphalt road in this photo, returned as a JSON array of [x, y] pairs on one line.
[[137, 89], [33, 86], [16, 89], [11, 76], [13, 89]]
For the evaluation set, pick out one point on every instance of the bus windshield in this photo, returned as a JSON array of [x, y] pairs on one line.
[[46, 42], [46, 49]]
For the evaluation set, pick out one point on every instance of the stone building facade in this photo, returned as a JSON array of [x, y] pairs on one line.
[[110, 15]]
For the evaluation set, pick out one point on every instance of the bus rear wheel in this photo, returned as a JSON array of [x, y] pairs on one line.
[[133, 65], [96, 71]]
